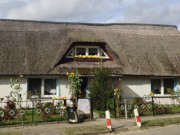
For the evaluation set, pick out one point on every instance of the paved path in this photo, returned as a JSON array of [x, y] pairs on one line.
[[53, 128], [167, 130]]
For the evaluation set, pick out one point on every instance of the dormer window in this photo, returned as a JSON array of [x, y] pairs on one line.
[[80, 51], [70, 54], [93, 51], [87, 52]]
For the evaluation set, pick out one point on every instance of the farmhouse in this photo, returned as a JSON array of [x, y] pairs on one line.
[[142, 57]]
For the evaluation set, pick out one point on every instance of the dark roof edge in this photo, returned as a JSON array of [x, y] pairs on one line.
[[90, 24]]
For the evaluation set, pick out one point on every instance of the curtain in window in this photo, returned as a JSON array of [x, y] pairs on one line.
[[50, 87]]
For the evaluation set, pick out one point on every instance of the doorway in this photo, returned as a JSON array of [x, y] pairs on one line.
[[84, 88]]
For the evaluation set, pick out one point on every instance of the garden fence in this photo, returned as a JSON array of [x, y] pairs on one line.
[[154, 105], [35, 111]]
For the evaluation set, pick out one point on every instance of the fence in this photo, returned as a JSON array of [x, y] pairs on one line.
[[35, 111], [154, 105]]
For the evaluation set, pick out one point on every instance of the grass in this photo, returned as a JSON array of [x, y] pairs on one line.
[[80, 130], [102, 113], [11, 133], [160, 122]]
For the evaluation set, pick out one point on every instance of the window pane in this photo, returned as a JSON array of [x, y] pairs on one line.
[[70, 53], [80, 51], [168, 84], [156, 86], [93, 51], [50, 87], [34, 86], [103, 55]]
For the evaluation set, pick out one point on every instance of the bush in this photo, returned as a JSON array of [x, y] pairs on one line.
[[47, 110], [10, 106], [100, 91]]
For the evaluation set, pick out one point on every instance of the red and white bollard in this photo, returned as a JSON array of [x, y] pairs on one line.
[[108, 120], [138, 122]]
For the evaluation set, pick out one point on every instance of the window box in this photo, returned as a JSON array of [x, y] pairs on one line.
[[87, 59]]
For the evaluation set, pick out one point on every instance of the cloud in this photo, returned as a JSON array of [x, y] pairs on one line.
[[64, 10], [94, 11], [160, 11]]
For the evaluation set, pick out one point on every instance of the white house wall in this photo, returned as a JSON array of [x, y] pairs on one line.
[[135, 86], [5, 87], [64, 87]]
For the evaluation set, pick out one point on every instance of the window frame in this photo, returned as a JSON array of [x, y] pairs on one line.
[[162, 85], [160, 90], [87, 50], [28, 84], [43, 85], [70, 52]]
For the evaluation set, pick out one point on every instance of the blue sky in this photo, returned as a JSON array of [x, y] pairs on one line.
[[94, 11]]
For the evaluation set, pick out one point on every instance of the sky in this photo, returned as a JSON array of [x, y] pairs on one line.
[[93, 11]]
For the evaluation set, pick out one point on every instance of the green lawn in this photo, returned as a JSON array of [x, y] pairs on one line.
[[160, 122]]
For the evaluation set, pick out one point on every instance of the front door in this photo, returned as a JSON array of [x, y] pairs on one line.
[[84, 88]]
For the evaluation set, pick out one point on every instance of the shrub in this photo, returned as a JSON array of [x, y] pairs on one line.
[[10, 106], [47, 110], [100, 91]]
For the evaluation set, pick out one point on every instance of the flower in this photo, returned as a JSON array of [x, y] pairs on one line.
[[90, 56], [72, 74], [83, 56], [93, 56], [21, 76], [115, 90], [97, 57], [76, 56], [151, 94], [80, 56], [100, 57], [67, 73]]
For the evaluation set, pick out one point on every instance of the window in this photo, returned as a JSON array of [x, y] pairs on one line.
[[46, 87], [87, 52], [93, 51], [49, 86], [156, 86], [34, 86], [104, 55], [80, 51], [168, 84]]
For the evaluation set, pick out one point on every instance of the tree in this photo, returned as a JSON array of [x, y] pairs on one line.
[[101, 91]]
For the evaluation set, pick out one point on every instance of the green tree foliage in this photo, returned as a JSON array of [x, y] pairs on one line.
[[101, 91]]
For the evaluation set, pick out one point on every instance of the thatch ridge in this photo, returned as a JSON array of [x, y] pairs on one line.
[[91, 24]]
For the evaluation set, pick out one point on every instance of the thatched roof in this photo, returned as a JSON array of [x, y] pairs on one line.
[[36, 48]]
